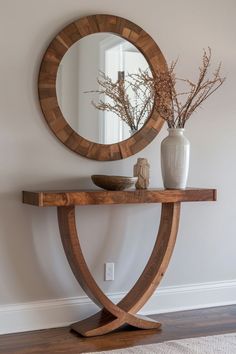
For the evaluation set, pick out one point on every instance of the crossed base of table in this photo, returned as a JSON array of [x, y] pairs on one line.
[[113, 316]]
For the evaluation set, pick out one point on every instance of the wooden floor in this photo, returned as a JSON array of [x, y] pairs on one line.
[[174, 326]]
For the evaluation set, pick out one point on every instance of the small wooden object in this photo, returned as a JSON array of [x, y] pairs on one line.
[[142, 171], [112, 316]]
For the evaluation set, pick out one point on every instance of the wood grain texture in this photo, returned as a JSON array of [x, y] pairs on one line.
[[113, 316], [114, 183], [177, 325], [102, 197], [47, 85]]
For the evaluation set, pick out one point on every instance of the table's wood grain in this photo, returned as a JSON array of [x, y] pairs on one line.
[[112, 316], [99, 197]]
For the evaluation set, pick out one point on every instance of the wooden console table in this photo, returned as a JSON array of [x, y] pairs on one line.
[[113, 315]]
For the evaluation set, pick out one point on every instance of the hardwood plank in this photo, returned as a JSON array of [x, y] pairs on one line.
[[99, 197], [185, 324]]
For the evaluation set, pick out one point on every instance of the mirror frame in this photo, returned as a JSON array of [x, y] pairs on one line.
[[47, 86]]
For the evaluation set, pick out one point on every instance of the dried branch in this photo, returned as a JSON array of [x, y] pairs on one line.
[[177, 107], [130, 98]]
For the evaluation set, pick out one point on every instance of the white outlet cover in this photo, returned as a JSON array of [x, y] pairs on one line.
[[109, 271]]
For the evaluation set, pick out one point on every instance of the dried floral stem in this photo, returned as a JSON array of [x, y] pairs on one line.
[[132, 97], [129, 98], [177, 107]]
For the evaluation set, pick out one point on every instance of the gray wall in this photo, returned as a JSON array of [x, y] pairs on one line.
[[32, 263]]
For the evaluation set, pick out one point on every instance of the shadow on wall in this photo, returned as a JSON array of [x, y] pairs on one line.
[[18, 253], [111, 246], [29, 239], [32, 251]]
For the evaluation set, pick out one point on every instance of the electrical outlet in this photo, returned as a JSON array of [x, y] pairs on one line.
[[109, 271]]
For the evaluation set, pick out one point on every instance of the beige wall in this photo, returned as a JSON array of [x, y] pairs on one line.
[[32, 263]]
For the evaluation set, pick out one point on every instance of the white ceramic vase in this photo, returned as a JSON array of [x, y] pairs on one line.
[[175, 152]]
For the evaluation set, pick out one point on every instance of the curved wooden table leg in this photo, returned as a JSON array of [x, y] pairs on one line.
[[113, 316]]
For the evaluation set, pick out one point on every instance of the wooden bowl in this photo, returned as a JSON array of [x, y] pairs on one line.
[[114, 183]]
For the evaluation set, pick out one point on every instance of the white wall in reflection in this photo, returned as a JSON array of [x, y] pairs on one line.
[[78, 72]]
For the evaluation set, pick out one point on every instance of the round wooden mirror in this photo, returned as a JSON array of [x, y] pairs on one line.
[[63, 82]]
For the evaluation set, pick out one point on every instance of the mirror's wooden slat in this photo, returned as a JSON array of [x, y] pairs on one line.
[[47, 85]]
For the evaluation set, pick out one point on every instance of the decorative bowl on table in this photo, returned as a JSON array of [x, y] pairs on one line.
[[114, 183]]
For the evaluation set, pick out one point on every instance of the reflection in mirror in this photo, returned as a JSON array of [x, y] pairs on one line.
[[81, 73]]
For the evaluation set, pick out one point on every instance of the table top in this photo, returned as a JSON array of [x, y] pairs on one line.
[[102, 197]]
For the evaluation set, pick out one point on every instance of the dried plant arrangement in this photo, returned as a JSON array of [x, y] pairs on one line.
[[175, 106], [130, 97]]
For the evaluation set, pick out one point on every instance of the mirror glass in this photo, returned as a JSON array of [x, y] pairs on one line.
[[114, 62]]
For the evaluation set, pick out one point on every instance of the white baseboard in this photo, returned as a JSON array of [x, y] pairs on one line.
[[61, 312]]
